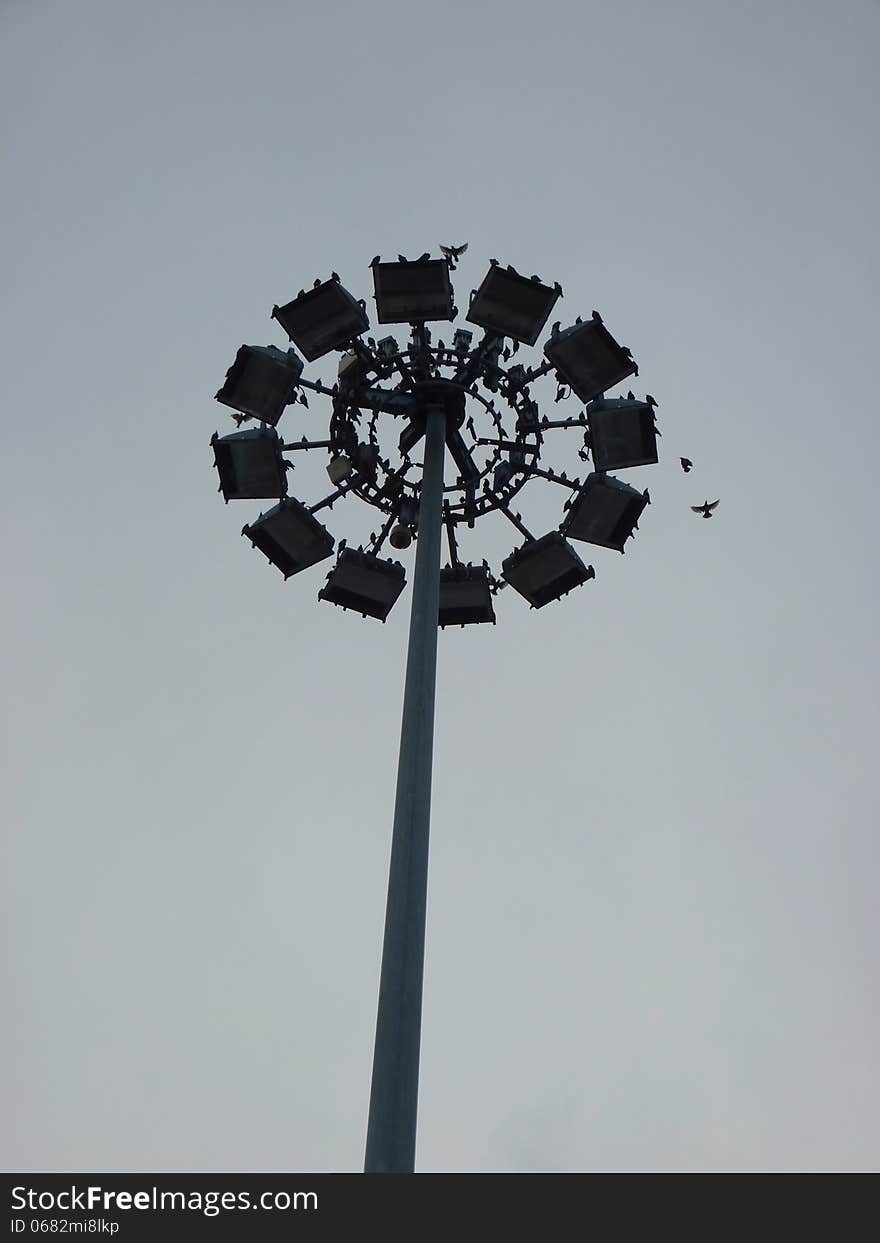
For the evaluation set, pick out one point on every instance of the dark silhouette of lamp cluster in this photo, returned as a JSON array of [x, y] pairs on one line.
[[384, 380]]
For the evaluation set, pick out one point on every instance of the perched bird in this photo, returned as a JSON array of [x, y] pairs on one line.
[[424, 258], [376, 259], [686, 464], [705, 509], [453, 252], [334, 276], [402, 259]]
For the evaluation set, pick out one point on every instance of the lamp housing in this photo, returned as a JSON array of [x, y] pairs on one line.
[[622, 433], [261, 382], [364, 583], [322, 319], [605, 511], [545, 569], [250, 464], [412, 291], [290, 537], [589, 359], [512, 305], [465, 596]]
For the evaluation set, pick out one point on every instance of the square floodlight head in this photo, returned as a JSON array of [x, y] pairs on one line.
[[364, 583], [465, 596], [322, 319], [622, 433], [250, 464], [261, 381], [605, 511], [291, 537], [512, 305], [413, 292], [387, 347], [589, 359], [545, 569]]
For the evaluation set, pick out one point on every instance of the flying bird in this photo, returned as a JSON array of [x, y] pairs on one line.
[[705, 509], [453, 252], [686, 464]]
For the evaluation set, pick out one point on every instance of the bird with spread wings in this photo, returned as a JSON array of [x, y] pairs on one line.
[[453, 252], [705, 509]]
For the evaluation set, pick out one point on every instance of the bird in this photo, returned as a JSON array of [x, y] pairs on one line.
[[686, 464], [334, 276], [705, 509], [453, 252], [424, 258], [402, 259]]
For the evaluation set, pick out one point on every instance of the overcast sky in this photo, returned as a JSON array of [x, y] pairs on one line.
[[652, 918]]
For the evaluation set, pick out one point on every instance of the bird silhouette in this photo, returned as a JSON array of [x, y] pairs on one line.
[[424, 258], [686, 464], [705, 509], [452, 253], [402, 259], [334, 276]]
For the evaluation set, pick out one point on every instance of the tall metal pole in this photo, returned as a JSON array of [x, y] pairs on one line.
[[391, 1130]]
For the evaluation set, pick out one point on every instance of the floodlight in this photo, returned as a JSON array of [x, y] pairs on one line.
[[411, 292], [352, 370], [262, 381], [387, 347], [290, 536], [322, 319], [512, 305], [364, 583], [465, 596], [545, 569], [339, 468], [589, 359], [605, 512], [622, 433], [250, 464]]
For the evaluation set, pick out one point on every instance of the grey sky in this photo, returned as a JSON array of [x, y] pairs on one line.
[[652, 924]]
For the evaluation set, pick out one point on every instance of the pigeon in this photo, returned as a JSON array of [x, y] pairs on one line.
[[705, 509], [453, 252], [686, 464]]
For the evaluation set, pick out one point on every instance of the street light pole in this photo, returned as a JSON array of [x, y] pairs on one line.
[[435, 391], [391, 1129]]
